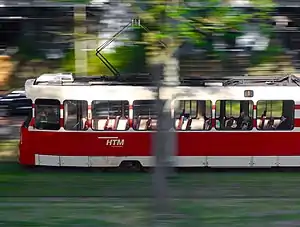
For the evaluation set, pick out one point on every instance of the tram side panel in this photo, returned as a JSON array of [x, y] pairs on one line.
[[239, 149], [26, 142], [194, 148], [26, 155], [205, 136], [56, 138], [106, 148], [241, 141]]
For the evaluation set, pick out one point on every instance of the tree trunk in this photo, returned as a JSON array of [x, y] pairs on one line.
[[158, 144], [164, 141], [80, 46], [171, 78]]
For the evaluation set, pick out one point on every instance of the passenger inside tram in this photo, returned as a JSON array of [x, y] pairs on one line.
[[184, 115], [231, 123], [47, 118], [283, 124], [207, 125], [151, 124], [277, 114], [234, 115], [262, 119], [270, 125], [41, 117], [241, 120], [244, 122], [193, 115]]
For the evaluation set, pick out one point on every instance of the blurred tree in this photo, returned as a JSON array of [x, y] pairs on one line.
[[125, 58], [80, 45], [84, 60], [214, 27], [226, 30]]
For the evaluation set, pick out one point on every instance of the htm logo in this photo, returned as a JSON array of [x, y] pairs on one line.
[[113, 141]]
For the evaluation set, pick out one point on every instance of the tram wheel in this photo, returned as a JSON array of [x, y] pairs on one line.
[[131, 165]]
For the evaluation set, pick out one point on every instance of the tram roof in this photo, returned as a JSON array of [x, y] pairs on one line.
[[145, 79]]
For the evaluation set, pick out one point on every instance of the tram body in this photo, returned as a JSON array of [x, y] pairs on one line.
[[96, 125]]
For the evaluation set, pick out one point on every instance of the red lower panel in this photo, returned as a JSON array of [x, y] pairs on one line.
[[239, 144], [139, 144], [26, 155], [91, 144]]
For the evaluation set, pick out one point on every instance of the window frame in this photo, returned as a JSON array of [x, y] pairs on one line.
[[134, 118], [64, 114], [127, 103], [194, 117], [56, 102], [267, 105], [251, 114], [292, 121], [190, 106]]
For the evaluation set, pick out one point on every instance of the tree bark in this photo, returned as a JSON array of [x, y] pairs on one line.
[[80, 46], [158, 144]]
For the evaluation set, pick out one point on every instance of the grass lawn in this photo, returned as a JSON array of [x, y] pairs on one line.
[[92, 198], [137, 212], [8, 150]]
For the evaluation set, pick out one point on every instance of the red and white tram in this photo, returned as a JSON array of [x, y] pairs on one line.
[[253, 122]]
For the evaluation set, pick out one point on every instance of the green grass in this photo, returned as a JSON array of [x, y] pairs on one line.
[[63, 197], [8, 150], [7, 144], [125, 212]]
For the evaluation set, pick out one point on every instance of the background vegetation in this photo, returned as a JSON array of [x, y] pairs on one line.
[[200, 27]]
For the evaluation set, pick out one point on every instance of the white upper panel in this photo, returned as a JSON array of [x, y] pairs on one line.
[[55, 77], [131, 93]]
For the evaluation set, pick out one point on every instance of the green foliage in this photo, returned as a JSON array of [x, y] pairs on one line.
[[68, 62], [29, 51], [198, 24], [125, 59], [266, 56]]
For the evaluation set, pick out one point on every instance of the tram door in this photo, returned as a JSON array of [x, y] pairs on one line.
[[75, 114]]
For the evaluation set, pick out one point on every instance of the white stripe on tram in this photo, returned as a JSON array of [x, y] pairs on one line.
[[178, 161], [297, 114]]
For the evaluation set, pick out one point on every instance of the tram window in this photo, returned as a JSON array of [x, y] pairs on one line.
[[75, 114], [47, 114], [234, 115], [110, 115], [193, 115], [145, 115], [275, 115]]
